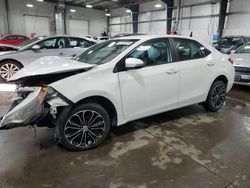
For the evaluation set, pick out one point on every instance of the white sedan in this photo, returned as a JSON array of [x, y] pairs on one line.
[[31, 50], [241, 58], [116, 82]]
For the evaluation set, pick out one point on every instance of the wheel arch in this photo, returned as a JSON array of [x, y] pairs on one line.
[[105, 103], [221, 77], [11, 59]]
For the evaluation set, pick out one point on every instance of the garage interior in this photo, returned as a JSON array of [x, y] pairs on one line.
[[187, 147]]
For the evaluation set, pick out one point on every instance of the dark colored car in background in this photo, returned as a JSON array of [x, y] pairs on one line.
[[13, 39], [229, 43]]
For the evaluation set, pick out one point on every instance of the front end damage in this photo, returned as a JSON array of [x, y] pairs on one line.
[[33, 106]]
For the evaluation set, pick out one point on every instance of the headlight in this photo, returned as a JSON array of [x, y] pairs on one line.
[[54, 99], [27, 111]]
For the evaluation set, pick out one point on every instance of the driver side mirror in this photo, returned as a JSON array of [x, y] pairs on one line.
[[133, 63], [36, 47]]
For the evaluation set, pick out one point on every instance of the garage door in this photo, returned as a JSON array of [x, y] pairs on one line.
[[37, 24], [78, 27]]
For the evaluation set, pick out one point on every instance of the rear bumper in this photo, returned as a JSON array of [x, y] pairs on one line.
[[242, 83], [242, 78]]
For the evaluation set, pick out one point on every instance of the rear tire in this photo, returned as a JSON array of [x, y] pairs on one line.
[[8, 68], [216, 96], [86, 126]]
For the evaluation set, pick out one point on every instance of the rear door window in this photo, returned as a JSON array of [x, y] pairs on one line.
[[78, 42], [189, 49], [21, 37]]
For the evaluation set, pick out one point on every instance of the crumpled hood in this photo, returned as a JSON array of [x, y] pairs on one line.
[[49, 65]]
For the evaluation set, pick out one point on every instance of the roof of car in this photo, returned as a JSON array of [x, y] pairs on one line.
[[139, 37], [52, 36], [236, 36]]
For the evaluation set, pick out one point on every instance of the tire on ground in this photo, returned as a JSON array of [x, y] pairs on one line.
[[17, 64], [208, 104], [63, 120]]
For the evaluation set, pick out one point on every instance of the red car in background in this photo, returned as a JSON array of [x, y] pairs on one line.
[[13, 39]]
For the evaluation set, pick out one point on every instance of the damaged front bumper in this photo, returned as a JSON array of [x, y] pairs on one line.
[[29, 110]]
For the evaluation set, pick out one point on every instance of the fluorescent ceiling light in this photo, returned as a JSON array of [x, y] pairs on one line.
[[40, 0], [89, 6], [108, 14], [72, 10], [158, 5], [30, 5], [128, 11]]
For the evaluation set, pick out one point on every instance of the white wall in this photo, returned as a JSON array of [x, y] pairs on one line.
[[147, 13], [3, 22], [96, 18], [119, 16], [238, 23], [18, 10], [202, 24]]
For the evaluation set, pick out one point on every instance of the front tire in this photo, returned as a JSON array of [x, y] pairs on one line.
[[8, 68], [216, 96], [86, 126]]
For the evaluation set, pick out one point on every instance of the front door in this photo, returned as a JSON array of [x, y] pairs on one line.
[[49, 47], [153, 88]]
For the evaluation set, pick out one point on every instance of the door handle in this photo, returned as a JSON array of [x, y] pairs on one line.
[[171, 71], [210, 64]]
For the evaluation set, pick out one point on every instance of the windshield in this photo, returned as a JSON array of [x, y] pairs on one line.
[[22, 45], [104, 52], [228, 41], [244, 49]]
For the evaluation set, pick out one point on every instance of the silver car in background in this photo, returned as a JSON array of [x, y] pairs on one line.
[[241, 58], [64, 46]]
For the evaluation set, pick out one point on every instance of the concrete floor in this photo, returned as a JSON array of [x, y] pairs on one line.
[[183, 148]]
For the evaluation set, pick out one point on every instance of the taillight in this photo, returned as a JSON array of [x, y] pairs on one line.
[[230, 60]]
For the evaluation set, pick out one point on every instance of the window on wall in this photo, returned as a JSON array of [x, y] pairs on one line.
[[155, 52], [189, 49]]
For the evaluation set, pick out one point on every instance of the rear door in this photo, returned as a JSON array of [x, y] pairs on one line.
[[196, 70], [153, 88]]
